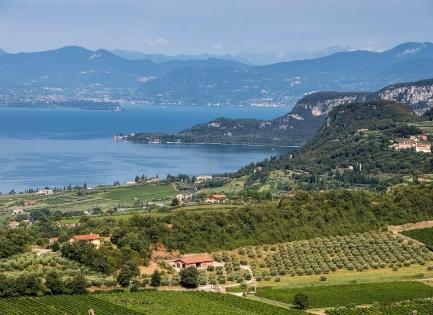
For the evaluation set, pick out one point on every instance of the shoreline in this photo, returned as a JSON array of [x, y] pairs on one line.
[[216, 143]]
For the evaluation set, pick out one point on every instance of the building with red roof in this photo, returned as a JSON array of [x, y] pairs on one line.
[[198, 261], [91, 238]]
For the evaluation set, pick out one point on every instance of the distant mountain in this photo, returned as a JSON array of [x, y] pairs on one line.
[[78, 73], [301, 123], [2, 52], [159, 58], [256, 59], [73, 66], [283, 83]]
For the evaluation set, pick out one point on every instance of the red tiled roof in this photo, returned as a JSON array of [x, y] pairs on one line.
[[188, 260], [217, 197], [86, 237]]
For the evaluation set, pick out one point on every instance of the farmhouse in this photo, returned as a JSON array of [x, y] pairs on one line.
[[423, 147], [45, 192], [91, 238], [202, 178], [216, 198], [13, 224], [184, 197], [17, 211], [198, 261]]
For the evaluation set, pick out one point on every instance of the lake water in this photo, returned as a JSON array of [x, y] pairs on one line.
[[57, 147]]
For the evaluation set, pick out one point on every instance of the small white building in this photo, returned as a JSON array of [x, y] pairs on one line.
[[184, 197], [423, 147], [45, 192], [202, 178]]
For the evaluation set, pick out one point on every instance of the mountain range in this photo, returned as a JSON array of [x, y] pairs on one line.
[[256, 59], [77, 73]]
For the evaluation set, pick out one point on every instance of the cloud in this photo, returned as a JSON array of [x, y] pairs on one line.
[[217, 45], [155, 41]]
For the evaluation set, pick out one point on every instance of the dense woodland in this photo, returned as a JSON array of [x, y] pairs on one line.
[[355, 136]]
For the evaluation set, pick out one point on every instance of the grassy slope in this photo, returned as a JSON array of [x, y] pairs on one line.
[[327, 296], [146, 192]]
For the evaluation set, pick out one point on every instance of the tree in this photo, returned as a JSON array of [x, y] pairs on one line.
[[301, 301], [55, 247], [128, 271], [175, 202], [189, 277], [155, 280], [77, 285], [54, 283]]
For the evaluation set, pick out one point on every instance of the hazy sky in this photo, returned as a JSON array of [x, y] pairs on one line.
[[218, 26]]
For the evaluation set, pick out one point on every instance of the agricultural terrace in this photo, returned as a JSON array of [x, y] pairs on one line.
[[145, 302], [423, 235], [358, 252], [361, 293], [423, 308], [31, 263]]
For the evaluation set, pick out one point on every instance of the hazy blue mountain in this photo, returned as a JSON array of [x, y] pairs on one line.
[[281, 83], [2, 52], [247, 58], [159, 58], [213, 80], [75, 66]]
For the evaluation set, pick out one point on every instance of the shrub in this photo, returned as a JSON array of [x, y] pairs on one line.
[[301, 301]]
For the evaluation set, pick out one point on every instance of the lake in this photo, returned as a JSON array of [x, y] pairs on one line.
[[57, 147]]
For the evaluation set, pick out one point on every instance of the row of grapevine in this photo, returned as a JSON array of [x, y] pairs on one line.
[[401, 309], [60, 305]]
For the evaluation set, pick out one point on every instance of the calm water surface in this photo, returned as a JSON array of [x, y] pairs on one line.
[[57, 147]]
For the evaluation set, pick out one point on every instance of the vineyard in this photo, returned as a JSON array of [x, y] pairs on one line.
[[359, 252], [351, 294], [61, 305], [401, 309], [422, 235], [194, 303], [148, 302]]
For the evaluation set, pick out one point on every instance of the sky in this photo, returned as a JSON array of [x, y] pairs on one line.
[[216, 27]]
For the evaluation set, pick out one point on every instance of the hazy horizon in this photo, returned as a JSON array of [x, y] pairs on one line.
[[278, 27]]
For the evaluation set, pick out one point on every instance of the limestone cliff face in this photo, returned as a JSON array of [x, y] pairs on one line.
[[418, 95]]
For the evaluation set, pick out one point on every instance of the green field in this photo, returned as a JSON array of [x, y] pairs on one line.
[[366, 293], [422, 235], [401, 309], [143, 192], [147, 302]]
